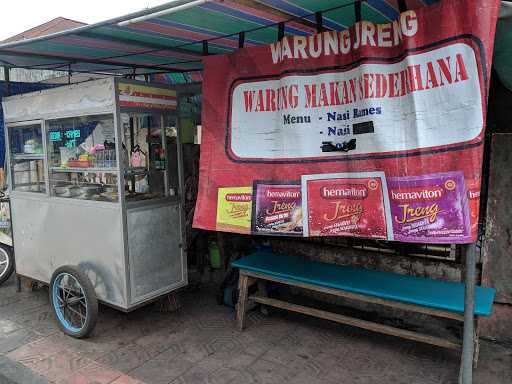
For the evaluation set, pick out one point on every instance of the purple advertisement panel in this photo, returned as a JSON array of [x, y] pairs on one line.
[[277, 208], [430, 208]]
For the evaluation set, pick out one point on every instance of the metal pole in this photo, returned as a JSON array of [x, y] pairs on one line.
[[468, 343], [132, 146], [7, 78]]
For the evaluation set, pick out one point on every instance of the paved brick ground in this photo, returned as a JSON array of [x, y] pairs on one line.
[[199, 344]]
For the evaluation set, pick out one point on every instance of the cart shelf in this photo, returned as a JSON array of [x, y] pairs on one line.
[[28, 156], [135, 171], [82, 170]]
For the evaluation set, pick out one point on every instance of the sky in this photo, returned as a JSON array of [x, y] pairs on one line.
[[19, 15]]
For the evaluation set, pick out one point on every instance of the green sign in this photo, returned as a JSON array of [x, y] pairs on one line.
[[55, 136], [70, 135]]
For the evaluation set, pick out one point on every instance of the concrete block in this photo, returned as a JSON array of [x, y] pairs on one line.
[[497, 247], [498, 326]]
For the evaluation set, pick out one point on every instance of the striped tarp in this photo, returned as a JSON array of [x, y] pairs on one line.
[[174, 42]]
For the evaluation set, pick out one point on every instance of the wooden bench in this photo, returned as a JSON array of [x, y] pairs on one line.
[[432, 297]]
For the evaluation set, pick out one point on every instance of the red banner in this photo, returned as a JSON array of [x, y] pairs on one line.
[[375, 131]]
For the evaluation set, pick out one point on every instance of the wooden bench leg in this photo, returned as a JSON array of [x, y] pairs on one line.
[[476, 352], [241, 307], [262, 291]]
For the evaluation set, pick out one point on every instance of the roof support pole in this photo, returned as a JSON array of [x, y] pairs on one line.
[[319, 22], [357, 11], [65, 60], [280, 31], [241, 39], [468, 343], [7, 78], [69, 73], [182, 7], [402, 5], [205, 47]]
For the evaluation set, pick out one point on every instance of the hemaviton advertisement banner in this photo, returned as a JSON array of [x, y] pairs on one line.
[[375, 131]]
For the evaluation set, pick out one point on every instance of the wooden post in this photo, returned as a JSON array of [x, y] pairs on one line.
[[241, 307]]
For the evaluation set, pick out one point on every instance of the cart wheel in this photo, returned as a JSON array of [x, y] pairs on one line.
[[6, 263], [74, 302]]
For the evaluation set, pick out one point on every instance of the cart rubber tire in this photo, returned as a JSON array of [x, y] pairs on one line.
[[90, 299], [6, 255]]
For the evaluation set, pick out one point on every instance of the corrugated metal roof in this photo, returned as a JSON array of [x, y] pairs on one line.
[[55, 25], [174, 41]]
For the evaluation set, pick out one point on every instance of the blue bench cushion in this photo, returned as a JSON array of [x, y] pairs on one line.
[[426, 292]]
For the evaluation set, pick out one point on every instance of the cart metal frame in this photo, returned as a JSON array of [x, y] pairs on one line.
[[108, 241]]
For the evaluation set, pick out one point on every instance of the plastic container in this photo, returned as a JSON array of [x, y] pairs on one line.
[[214, 251]]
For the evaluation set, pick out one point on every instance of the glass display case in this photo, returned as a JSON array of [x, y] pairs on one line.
[[150, 156], [82, 158], [96, 183], [27, 155]]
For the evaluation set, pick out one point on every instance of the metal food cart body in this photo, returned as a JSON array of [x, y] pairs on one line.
[[131, 251]]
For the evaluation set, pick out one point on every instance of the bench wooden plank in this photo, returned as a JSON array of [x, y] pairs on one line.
[[359, 297], [368, 325], [440, 295]]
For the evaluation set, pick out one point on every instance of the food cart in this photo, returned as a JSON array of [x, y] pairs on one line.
[[95, 183]]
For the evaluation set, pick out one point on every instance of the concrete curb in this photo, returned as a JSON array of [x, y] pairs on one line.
[[12, 372]]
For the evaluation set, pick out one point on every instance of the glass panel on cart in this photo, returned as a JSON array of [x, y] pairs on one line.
[[26, 158], [28, 175], [143, 156], [26, 140], [82, 142], [82, 158], [84, 185]]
